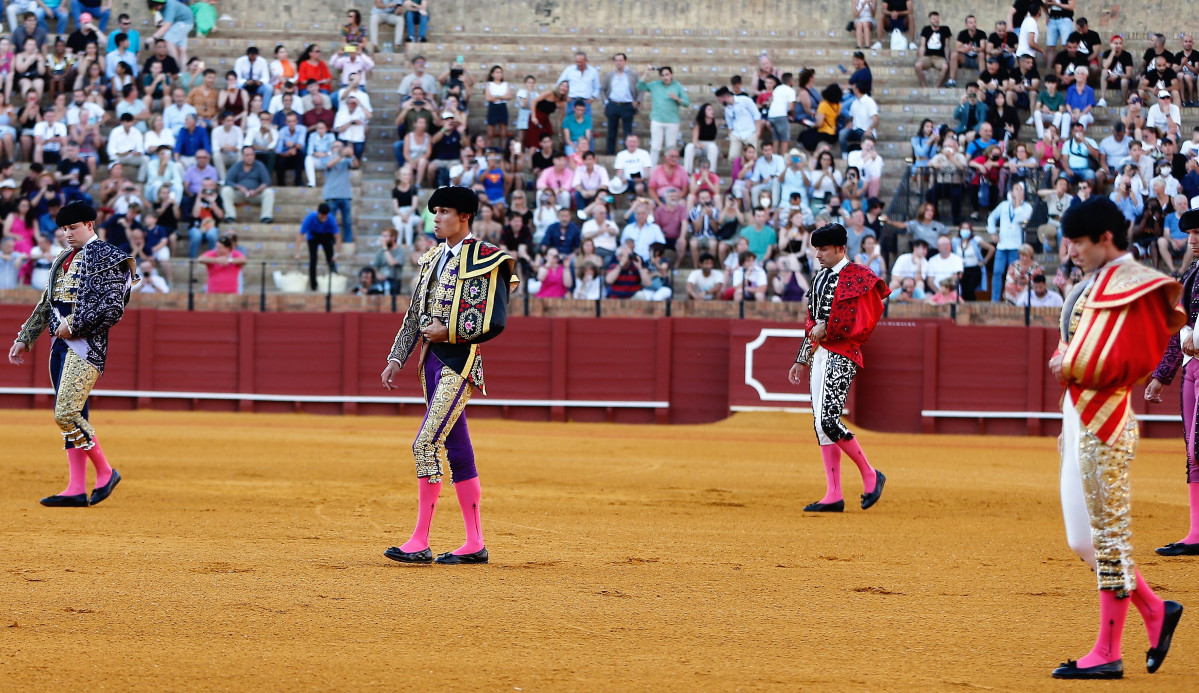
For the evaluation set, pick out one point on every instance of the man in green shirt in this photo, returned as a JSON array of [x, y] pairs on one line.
[[668, 96], [576, 126], [763, 240], [1051, 108]]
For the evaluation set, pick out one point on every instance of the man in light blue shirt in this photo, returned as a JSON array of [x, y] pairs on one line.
[[174, 116], [584, 81], [121, 55], [1006, 225], [766, 176], [319, 151], [290, 150], [741, 116]]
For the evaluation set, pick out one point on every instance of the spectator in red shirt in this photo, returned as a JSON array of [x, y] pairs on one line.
[[672, 217], [667, 174], [626, 274], [224, 267], [312, 67]]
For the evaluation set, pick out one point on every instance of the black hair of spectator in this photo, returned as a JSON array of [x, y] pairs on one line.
[[699, 117], [122, 17], [252, 50], [223, 240], [723, 91], [230, 73], [155, 4], [920, 243], [307, 53], [1034, 8], [805, 77], [746, 255], [704, 257], [1094, 217], [322, 208], [832, 93], [1189, 221], [859, 55], [665, 68], [120, 38], [1038, 279], [226, 114], [126, 117], [934, 12], [579, 102], [159, 40], [588, 155], [546, 137], [874, 203], [735, 79], [207, 70], [1081, 21], [127, 89], [1051, 79], [30, 15]]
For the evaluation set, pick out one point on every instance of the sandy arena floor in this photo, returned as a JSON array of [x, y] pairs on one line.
[[244, 552]]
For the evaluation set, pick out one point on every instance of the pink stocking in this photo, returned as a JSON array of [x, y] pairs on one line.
[[1192, 537], [424, 516], [77, 466], [1151, 608], [851, 448], [469, 494], [100, 462], [1112, 612], [831, 454]]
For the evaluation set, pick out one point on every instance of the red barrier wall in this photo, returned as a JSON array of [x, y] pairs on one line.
[[704, 368]]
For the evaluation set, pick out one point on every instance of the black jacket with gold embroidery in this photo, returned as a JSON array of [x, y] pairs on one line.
[[470, 298], [97, 286]]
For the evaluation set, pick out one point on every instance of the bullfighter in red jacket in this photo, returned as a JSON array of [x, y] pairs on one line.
[[844, 305]]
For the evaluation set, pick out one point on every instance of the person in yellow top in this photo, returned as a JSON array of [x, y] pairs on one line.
[[824, 127]]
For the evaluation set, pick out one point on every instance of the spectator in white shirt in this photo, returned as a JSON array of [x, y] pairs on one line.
[[226, 144], [741, 116], [584, 81], [174, 115], [913, 265], [350, 60], [944, 265], [1042, 295], [419, 77], [782, 97], [864, 119], [1165, 115], [253, 74], [49, 136], [121, 55], [643, 233], [601, 231], [126, 143], [350, 124], [869, 165], [768, 170], [705, 283], [633, 162]]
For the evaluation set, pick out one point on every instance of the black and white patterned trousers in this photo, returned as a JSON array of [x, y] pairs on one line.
[[830, 378]]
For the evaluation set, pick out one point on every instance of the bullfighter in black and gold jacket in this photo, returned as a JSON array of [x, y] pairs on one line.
[[85, 296], [460, 301]]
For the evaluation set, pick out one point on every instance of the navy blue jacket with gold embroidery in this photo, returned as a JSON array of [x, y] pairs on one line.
[[470, 298], [91, 296]]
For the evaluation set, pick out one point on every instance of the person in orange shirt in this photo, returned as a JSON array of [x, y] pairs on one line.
[[203, 97], [312, 67]]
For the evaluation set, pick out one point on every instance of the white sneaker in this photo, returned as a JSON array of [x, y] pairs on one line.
[[877, 46], [1029, 121], [1102, 103]]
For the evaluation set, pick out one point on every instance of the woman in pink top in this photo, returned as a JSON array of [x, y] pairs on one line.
[[555, 280], [22, 225], [224, 267]]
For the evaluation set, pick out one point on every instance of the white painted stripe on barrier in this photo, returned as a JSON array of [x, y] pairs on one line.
[[1053, 415], [786, 410], [255, 397]]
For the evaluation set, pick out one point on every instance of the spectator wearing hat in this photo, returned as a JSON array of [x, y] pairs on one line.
[[248, 182], [319, 231], [1116, 70], [177, 23], [85, 32], [1165, 115]]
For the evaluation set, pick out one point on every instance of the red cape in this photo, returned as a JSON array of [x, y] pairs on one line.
[[857, 307]]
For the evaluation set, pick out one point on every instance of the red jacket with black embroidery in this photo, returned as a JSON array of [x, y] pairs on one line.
[[857, 307]]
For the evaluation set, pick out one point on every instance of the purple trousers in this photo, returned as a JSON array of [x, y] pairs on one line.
[[1190, 397], [443, 437]]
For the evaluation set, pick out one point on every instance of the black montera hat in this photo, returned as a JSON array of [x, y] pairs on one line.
[[463, 199], [74, 213], [1189, 221], [829, 234]]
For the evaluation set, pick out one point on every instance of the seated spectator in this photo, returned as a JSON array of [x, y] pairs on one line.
[[576, 126], [253, 74], [206, 214], [49, 136], [263, 137], [943, 266], [626, 274], [224, 265], [562, 235], [1172, 246], [176, 110], [1117, 70], [11, 262], [161, 172], [190, 140], [661, 280], [1165, 115], [671, 216], [824, 126], [632, 163], [1067, 63], [312, 67], [160, 56], [447, 148], [251, 182], [912, 266], [766, 176], [1160, 77], [946, 293], [670, 175], [970, 113], [350, 124], [1057, 199], [204, 97], [1042, 296], [589, 182], [705, 283], [126, 143], [748, 281], [763, 239], [86, 31], [895, 15], [554, 280], [703, 138], [1080, 100], [350, 61], [1080, 155], [122, 54], [970, 48], [368, 283], [931, 54], [1020, 273], [642, 233], [558, 180], [869, 164], [416, 19]]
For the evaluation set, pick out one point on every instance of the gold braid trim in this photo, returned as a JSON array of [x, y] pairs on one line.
[[1105, 484]]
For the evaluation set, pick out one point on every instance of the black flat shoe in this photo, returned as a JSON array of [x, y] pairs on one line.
[[56, 501], [105, 491], [819, 507], [1070, 670], [869, 499], [425, 555], [1156, 655], [1178, 549], [450, 558]]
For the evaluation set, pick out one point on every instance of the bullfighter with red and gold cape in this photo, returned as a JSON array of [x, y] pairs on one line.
[[1114, 328], [844, 305]]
